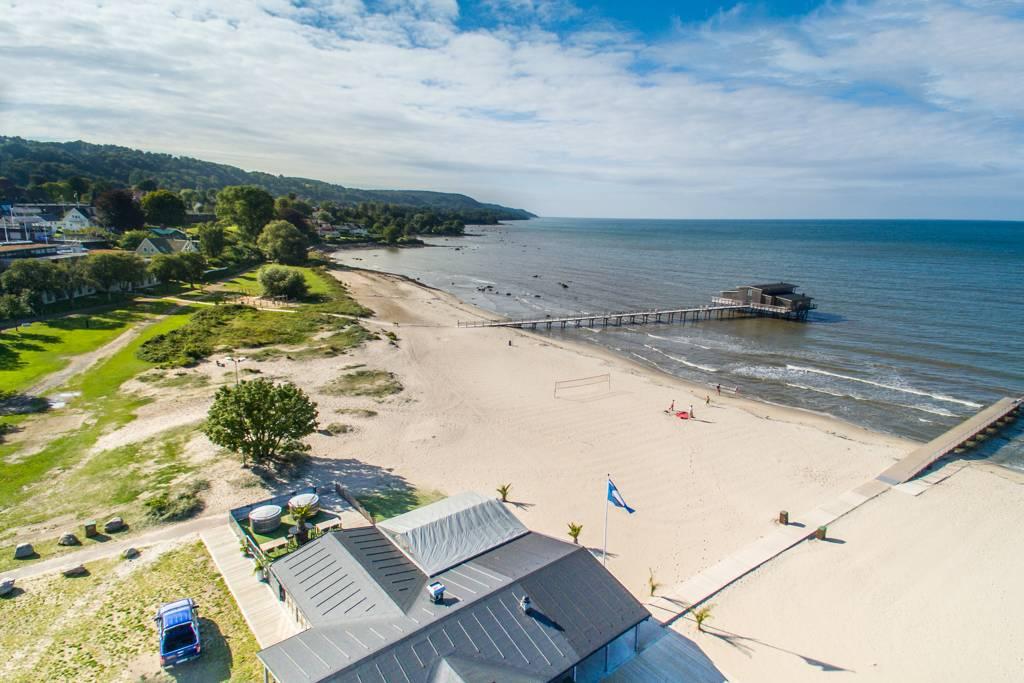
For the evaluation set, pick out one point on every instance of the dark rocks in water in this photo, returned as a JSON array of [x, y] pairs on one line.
[[536, 296], [508, 293], [535, 276], [563, 285]]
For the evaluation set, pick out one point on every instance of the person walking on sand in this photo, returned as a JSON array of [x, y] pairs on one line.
[[719, 388], [672, 408], [692, 416], [707, 400]]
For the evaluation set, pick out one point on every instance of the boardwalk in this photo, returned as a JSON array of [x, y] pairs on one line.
[[920, 459], [677, 600], [266, 615], [668, 315]]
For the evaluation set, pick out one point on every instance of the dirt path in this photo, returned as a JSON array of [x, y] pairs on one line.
[[116, 545]]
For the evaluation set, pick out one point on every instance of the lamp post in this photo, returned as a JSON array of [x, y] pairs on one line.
[[236, 360]]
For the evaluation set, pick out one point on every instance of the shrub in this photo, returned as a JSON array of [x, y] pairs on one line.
[[278, 281], [172, 505]]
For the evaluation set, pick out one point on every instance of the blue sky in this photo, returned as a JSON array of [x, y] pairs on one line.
[[902, 108]]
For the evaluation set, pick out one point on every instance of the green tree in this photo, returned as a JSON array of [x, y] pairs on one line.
[[167, 268], [260, 419], [131, 240], [13, 306], [30, 279], [278, 281], [117, 210], [147, 185], [119, 270], [163, 207], [247, 206], [59, 192], [191, 198], [575, 530], [211, 239], [193, 265], [71, 276], [282, 242]]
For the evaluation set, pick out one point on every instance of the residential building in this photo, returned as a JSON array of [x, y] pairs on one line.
[[456, 591], [151, 246]]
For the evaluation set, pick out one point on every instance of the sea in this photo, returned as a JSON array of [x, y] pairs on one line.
[[918, 323]]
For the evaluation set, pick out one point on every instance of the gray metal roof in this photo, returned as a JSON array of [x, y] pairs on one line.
[[478, 632], [450, 531]]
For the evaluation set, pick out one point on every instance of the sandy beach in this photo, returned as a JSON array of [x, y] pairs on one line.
[[476, 412]]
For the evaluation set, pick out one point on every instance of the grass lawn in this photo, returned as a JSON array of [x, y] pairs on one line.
[[100, 627], [326, 294], [31, 353], [108, 407], [388, 503], [144, 471]]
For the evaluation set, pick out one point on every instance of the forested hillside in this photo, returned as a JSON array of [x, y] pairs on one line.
[[27, 165]]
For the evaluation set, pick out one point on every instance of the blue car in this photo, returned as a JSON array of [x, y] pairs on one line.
[[178, 622]]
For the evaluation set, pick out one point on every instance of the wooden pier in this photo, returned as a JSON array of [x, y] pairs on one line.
[[618, 319], [963, 435]]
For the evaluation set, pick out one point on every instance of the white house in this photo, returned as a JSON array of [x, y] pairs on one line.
[[151, 246]]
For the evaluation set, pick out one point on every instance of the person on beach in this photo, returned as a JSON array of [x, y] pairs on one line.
[[510, 342], [719, 388], [672, 408], [692, 416], [707, 400]]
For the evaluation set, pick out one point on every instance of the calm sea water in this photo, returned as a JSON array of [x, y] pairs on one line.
[[919, 323]]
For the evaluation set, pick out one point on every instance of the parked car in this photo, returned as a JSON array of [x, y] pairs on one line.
[[178, 623]]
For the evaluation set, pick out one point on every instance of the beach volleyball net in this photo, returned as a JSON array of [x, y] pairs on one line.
[[582, 385]]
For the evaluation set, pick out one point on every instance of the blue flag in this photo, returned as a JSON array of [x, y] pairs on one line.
[[616, 498]]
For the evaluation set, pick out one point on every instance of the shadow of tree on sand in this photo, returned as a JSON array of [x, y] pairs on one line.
[[742, 643]]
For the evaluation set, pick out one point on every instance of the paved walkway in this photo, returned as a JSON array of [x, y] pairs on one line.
[[267, 616], [676, 600], [116, 545]]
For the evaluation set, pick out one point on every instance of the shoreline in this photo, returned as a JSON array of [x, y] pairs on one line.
[[750, 403]]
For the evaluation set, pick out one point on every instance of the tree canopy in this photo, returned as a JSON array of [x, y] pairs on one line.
[[261, 420], [247, 206], [282, 242], [117, 210], [278, 281], [163, 207]]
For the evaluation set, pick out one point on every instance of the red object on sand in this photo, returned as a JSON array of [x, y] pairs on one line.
[[683, 415]]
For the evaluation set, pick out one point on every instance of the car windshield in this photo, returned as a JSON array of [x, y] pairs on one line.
[[178, 637]]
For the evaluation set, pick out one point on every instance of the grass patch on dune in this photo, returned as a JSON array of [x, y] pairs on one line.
[[356, 412], [109, 409], [374, 383], [110, 629], [387, 503], [229, 327], [31, 353]]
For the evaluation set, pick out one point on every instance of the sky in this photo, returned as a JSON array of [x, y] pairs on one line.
[[698, 109]]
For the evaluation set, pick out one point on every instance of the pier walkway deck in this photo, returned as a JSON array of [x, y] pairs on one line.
[[919, 460], [667, 315], [675, 601]]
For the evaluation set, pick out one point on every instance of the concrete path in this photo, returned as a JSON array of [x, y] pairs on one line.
[[267, 616], [116, 545], [677, 600]]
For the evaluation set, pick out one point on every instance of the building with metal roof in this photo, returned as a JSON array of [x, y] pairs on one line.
[[518, 607]]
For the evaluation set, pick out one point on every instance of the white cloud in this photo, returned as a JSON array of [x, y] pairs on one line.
[[861, 109]]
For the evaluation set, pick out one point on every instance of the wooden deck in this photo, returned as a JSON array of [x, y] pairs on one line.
[[263, 612], [618, 319], [920, 459]]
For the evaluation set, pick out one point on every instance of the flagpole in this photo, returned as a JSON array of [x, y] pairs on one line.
[[604, 553]]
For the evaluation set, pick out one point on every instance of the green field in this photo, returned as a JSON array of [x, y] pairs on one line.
[[326, 294], [30, 353], [387, 503], [97, 627], [108, 409]]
